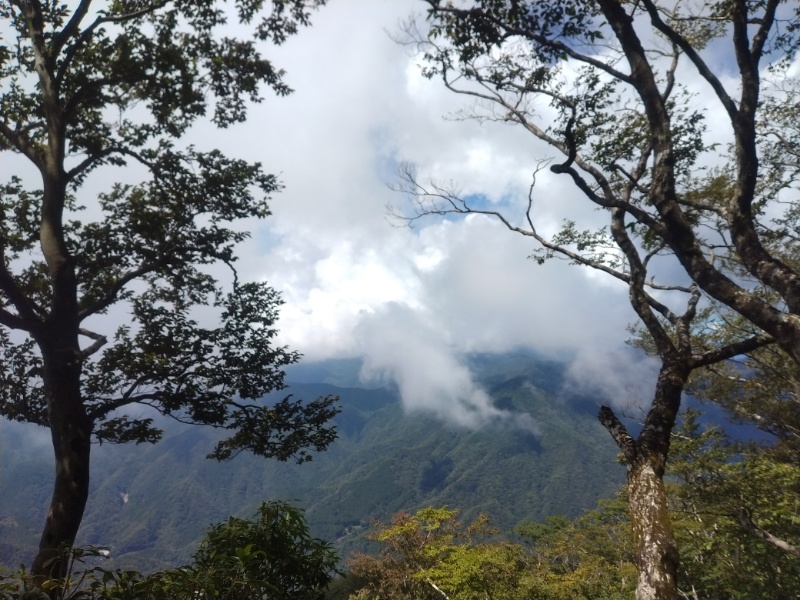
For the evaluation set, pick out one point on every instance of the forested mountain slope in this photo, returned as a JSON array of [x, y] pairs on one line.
[[151, 505]]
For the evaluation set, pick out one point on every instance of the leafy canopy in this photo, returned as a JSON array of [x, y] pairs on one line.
[[270, 556], [86, 88], [432, 555]]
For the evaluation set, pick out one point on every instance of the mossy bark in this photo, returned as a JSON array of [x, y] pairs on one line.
[[654, 541], [655, 548]]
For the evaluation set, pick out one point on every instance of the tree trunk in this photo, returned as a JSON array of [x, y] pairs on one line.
[[71, 430], [57, 338], [654, 543], [653, 539]]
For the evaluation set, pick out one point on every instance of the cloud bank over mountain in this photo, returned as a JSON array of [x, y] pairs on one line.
[[412, 301]]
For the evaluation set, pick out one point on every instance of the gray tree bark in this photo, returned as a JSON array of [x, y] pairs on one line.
[[655, 548]]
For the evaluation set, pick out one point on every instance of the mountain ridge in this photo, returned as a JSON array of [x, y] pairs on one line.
[[151, 504]]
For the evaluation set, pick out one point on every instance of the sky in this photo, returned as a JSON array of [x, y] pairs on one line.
[[412, 302]]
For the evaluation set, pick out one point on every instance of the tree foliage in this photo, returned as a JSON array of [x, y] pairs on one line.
[[431, 555], [588, 557], [593, 555], [736, 508], [85, 90], [270, 556]]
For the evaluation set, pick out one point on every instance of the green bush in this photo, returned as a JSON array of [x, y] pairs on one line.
[[272, 557]]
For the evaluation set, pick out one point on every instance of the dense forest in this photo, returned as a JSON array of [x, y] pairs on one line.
[[126, 305], [393, 484], [383, 461]]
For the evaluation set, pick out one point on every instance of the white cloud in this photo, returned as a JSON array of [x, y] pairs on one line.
[[409, 348], [622, 378], [410, 301]]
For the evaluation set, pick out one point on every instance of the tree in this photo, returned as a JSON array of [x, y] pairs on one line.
[[87, 88], [680, 340], [623, 122], [736, 507], [592, 556], [431, 555], [598, 83], [270, 556], [760, 390], [743, 496], [587, 557]]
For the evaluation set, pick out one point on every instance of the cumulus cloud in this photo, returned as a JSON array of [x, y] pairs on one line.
[[622, 378], [411, 302], [408, 348]]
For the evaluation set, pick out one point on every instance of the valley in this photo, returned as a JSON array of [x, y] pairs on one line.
[[151, 504]]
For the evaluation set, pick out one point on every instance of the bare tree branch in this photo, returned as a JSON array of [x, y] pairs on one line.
[[99, 342]]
